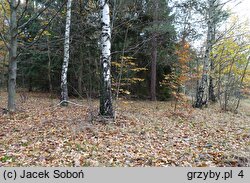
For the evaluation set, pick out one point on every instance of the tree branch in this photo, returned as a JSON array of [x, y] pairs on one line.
[[45, 27], [36, 15], [4, 40], [18, 3], [25, 9]]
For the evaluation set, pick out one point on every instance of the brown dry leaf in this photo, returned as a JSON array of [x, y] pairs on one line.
[[144, 134]]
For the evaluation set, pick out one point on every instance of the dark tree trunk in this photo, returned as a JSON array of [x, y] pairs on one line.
[[12, 57], [80, 72], [49, 67], [154, 52], [201, 96], [153, 68], [211, 92], [30, 84], [212, 96]]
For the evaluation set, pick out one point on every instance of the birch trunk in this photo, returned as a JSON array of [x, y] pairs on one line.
[[212, 17], [64, 87], [12, 57], [106, 108], [202, 94], [144, 6]]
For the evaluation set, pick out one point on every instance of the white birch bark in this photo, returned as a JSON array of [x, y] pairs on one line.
[[64, 87], [106, 108], [144, 6], [202, 94]]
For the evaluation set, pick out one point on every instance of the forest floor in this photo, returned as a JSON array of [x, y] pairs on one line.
[[144, 133]]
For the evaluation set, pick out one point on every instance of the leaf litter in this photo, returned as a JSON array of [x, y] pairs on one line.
[[144, 133]]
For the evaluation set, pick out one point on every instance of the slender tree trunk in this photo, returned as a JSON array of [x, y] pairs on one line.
[[219, 85], [30, 84], [212, 96], [90, 79], [228, 84], [202, 94], [80, 72], [49, 67], [154, 53], [241, 82], [3, 80], [106, 108], [12, 57], [64, 86], [80, 76], [97, 69], [153, 68]]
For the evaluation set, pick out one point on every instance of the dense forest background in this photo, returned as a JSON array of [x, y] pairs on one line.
[[179, 54], [143, 32]]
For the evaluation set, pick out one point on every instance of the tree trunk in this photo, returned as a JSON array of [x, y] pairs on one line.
[[49, 67], [64, 86], [202, 94], [228, 84], [153, 68], [3, 80], [80, 72], [219, 86], [212, 96], [154, 53], [80, 76], [12, 57], [241, 82], [106, 108]]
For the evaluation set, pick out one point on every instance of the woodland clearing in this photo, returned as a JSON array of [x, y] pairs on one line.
[[145, 133]]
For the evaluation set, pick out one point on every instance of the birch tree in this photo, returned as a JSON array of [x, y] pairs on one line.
[[64, 87], [215, 16], [202, 90], [205, 90], [106, 108]]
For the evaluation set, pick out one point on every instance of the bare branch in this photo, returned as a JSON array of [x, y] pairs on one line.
[[23, 13], [223, 4], [4, 40], [36, 15], [18, 3], [45, 27]]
